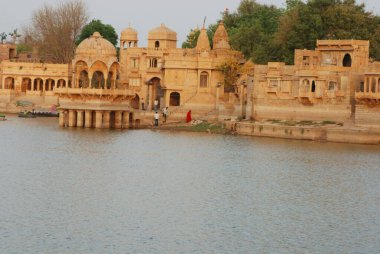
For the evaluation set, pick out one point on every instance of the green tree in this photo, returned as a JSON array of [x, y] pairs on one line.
[[3, 37], [192, 38], [231, 70], [54, 29], [303, 24], [15, 35], [107, 31]]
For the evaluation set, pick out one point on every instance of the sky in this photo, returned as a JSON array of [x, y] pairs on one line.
[[143, 15]]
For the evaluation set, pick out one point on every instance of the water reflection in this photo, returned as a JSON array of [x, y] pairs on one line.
[[88, 191]]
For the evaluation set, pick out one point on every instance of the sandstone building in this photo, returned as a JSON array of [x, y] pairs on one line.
[[99, 90]]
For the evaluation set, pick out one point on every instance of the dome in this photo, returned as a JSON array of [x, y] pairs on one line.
[[129, 34], [221, 40], [162, 33], [96, 46]]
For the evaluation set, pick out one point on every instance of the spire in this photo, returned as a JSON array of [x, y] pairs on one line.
[[203, 42], [221, 40]]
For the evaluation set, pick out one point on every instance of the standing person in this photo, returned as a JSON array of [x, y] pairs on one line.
[[155, 104], [165, 112], [188, 117], [156, 117], [142, 104]]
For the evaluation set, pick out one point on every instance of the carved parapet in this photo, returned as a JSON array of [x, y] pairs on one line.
[[367, 97], [93, 91]]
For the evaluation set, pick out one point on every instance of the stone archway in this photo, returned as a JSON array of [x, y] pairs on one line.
[[135, 102], [98, 80], [83, 79], [155, 92]]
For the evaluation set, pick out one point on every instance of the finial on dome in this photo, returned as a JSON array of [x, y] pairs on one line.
[[96, 35]]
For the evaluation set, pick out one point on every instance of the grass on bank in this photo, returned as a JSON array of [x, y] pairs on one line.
[[303, 123], [204, 127]]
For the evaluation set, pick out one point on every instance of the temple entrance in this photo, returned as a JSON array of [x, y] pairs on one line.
[[155, 92]]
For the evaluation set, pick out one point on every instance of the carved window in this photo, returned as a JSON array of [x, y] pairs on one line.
[[203, 79], [332, 86], [153, 63]]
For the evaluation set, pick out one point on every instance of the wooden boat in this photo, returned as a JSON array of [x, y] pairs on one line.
[[45, 113], [26, 114]]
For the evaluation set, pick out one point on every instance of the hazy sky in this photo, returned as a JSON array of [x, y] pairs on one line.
[[143, 15]]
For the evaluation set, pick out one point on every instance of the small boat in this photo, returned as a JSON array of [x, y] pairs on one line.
[[45, 113], [26, 114], [2, 117]]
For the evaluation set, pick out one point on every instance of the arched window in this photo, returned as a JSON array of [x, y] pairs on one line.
[[203, 79], [26, 84], [97, 80], [38, 84], [175, 99], [83, 79], [347, 60], [62, 83], [157, 44], [135, 103], [109, 80], [9, 83], [313, 86]]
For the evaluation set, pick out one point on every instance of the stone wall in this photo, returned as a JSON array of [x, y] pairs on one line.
[[366, 115]]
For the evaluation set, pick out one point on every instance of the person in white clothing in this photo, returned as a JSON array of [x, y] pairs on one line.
[[156, 117]]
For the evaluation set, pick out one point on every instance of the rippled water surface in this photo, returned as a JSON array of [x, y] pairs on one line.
[[91, 191]]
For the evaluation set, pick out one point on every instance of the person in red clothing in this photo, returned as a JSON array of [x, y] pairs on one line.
[[188, 117]]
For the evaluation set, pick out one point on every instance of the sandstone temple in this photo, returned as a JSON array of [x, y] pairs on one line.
[[99, 89]]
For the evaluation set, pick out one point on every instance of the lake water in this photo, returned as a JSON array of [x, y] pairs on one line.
[[143, 191]]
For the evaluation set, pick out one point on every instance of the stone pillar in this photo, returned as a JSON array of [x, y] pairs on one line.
[[99, 120], [62, 116], [118, 119], [80, 118], [106, 119], [88, 119], [126, 120], [32, 85], [72, 118]]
